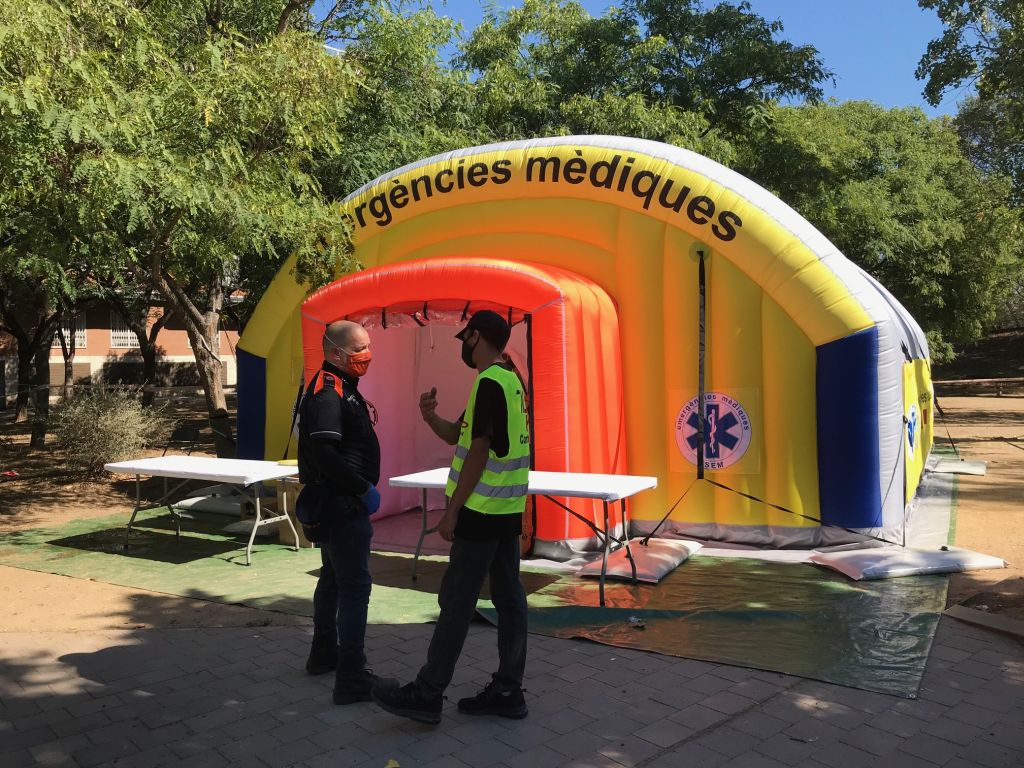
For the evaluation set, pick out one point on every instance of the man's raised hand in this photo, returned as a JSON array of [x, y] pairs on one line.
[[428, 404]]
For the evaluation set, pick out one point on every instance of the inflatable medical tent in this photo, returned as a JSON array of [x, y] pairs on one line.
[[640, 278]]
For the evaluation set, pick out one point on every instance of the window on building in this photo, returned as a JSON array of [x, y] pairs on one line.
[[121, 336], [80, 335]]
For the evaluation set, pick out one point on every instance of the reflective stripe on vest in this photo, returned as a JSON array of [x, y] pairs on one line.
[[502, 487]]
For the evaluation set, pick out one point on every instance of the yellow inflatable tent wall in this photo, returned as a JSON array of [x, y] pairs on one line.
[[815, 381]]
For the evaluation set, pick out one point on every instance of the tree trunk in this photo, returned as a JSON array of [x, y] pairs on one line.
[[67, 348], [148, 374], [210, 366], [40, 394], [202, 327], [24, 383]]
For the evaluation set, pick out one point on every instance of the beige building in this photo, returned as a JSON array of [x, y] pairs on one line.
[[107, 351]]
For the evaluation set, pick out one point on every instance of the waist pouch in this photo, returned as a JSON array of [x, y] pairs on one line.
[[312, 510]]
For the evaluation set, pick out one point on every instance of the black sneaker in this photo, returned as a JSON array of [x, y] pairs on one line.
[[321, 661], [493, 701], [355, 688], [409, 701]]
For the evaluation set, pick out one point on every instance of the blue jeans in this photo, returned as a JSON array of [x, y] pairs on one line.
[[470, 563], [342, 593]]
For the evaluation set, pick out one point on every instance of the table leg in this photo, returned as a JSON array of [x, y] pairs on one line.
[[138, 505], [284, 509], [604, 557], [424, 530], [255, 525], [625, 531], [170, 508]]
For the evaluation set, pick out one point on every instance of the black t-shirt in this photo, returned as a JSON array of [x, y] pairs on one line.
[[490, 419], [337, 442]]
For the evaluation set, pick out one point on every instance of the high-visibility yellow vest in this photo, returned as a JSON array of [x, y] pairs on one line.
[[503, 485]]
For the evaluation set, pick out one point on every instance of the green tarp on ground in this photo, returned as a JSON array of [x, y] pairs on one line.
[[781, 617], [797, 619]]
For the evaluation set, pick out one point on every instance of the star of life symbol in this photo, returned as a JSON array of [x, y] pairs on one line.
[[726, 431], [912, 426]]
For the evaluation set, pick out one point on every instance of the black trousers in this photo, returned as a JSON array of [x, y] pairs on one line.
[[470, 563], [342, 594]]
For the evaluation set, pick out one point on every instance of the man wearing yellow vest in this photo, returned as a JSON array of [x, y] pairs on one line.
[[486, 496]]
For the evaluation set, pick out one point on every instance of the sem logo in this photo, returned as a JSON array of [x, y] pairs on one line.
[[912, 427], [726, 435]]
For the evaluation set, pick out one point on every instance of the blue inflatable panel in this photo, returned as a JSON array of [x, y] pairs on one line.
[[252, 405], [848, 440]]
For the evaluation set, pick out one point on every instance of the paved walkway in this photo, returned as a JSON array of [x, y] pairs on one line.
[[214, 697]]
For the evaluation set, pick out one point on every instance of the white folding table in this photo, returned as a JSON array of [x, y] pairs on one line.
[[243, 474], [607, 488]]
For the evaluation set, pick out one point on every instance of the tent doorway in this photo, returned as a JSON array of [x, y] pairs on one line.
[[565, 343]]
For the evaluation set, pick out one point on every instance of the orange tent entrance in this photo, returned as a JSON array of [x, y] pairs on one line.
[[565, 344]]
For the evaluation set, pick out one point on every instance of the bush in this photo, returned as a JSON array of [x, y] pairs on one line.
[[101, 426]]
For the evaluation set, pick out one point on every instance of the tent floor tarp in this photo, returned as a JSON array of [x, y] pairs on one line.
[[772, 616], [795, 619]]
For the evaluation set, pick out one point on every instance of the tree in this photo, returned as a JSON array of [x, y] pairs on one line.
[[982, 45], [145, 317], [177, 135], [29, 314], [54, 105], [723, 64], [892, 190], [993, 139]]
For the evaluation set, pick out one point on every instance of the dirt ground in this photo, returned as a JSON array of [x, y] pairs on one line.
[[990, 519]]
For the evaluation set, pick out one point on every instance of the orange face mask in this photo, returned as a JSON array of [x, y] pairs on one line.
[[358, 363]]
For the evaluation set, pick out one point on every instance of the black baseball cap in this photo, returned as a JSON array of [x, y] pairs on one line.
[[491, 325]]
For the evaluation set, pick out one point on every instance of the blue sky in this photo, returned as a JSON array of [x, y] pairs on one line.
[[873, 46]]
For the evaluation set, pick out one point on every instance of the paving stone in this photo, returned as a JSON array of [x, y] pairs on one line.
[[30, 737], [755, 689], [1009, 735], [432, 745], [104, 754], [524, 734], [485, 753], [565, 721], [979, 669], [897, 724], [709, 684], [729, 741], [985, 753], [754, 760], [840, 715], [815, 731], [871, 740], [293, 751], [578, 743], [930, 748], [629, 750], [664, 733], [615, 726], [537, 757], [953, 730], [848, 756], [574, 672], [759, 724], [727, 703], [689, 755], [784, 749], [698, 717], [947, 653]]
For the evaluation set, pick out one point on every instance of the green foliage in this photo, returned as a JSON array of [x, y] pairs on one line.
[[100, 426], [982, 43], [723, 64], [891, 189]]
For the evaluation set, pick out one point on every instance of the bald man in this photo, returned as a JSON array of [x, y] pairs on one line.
[[338, 450]]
